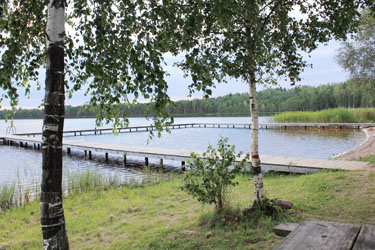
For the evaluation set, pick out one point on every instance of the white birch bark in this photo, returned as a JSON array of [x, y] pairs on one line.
[[259, 196]]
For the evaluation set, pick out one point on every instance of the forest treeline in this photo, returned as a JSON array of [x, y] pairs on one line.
[[351, 94]]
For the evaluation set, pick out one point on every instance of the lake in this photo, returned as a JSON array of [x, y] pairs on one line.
[[24, 166]]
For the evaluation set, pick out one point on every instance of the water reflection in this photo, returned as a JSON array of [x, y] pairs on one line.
[[24, 166]]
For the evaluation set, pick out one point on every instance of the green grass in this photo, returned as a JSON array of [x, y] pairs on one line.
[[339, 115], [370, 158], [13, 195], [161, 216]]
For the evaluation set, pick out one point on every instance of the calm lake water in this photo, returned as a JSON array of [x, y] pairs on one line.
[[21, 165]]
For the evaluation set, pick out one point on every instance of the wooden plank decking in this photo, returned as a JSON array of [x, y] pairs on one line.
[[276, 163], [325, 235], [366, 238]]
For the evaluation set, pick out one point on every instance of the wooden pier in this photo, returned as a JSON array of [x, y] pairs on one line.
[[284, 126], [275, 163], [325, 235]]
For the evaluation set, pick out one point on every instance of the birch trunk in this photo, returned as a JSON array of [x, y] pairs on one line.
[[51, 208], [255, 160]]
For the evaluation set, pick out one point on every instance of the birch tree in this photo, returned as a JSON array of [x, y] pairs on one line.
[[51, 207], [114, 51], [259, 42], [358, 56]]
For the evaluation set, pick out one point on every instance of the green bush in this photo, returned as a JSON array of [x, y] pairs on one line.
[[210, 174]]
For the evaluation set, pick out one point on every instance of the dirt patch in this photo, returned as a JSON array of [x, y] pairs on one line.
[[367, 148]]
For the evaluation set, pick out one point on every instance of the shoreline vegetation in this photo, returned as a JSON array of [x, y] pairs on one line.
[[270, 101], [15, 195], [338, 115], [161, 216]]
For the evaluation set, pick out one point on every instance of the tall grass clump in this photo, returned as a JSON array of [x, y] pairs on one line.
[[89, 180], [338, 115], [7, 196]]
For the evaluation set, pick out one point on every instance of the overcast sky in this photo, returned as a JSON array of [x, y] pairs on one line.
[[325, 70]]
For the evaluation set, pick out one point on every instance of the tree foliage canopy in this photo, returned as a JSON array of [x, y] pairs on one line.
[[234, 37], [112, 47], [358, 56]]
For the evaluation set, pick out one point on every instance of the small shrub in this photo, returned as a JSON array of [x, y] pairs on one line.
[[211, 174]]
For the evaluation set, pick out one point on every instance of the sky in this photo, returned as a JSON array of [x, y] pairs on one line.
[[325, 70]]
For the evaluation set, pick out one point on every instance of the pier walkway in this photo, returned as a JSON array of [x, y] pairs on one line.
[[275, 163], [284, 126]]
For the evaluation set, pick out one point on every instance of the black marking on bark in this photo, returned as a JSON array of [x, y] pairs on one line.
[[59, 4], [62, 34], [256, 170]]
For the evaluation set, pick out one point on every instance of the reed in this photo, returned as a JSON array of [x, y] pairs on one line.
[[90, 180], [7, 196], [338, 115]]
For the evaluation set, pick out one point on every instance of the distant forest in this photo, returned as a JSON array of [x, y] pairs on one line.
[[350, 94]]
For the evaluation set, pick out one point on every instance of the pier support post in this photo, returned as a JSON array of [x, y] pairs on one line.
[[90, 155], [68, 151], [75, 133], [161, 163], [26, 145], [106, 157], [21, 144], [38, 146], [34, 146], [183, 165], [146, 161], [124, 161], [85, 154]]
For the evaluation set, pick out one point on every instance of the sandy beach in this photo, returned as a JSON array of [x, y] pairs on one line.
[[365, 149]]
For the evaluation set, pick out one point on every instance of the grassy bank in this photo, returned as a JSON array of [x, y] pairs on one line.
[[163, 217], [339, 115]]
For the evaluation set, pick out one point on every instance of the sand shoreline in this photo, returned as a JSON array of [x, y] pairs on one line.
[[367, 148]]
